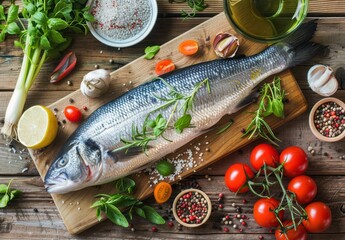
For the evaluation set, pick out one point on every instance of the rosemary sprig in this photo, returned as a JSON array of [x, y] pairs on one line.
[[195, 5], [152, 129], [271, 102]]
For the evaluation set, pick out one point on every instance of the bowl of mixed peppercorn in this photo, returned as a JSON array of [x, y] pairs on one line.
[[192, 208], [327, 120]]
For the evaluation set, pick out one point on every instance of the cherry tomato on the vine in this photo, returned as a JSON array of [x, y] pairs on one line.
[[73, 114], [263, 212], [304, 188], [164, 66], [188, 47], [236, 177], [319, 217], [264, 153], [295, 161], [299, 234]]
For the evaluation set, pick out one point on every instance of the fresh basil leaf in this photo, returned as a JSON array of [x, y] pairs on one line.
[[278, 108], [140, 212], [56, 37], [115, 215], [75, 29], [40, 18], [151, 123], [2, 13], [3, 35], [12, 14], [57, 24], [97, 204], [30, 8], [88, 16], [4, 201], [14, 193], [44, 42], [152, 215], [18, 44], [13, 28], [62, 9], [125, 184], [3, 188], [182, 123], [151, 51]]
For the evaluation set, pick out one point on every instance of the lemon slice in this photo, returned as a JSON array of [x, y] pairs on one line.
[[37, 127]]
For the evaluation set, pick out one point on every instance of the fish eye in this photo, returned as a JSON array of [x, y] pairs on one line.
[[62, 162]]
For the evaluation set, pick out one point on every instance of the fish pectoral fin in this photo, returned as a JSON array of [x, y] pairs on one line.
[[123, 153], [252, 97]]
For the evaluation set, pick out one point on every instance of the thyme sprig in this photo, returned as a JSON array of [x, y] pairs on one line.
[[153, 128], [195, 5], [271, 102]]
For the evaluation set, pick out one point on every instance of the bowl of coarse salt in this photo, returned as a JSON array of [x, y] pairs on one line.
[[122, 23]]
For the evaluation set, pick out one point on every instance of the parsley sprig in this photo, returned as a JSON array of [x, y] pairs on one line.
[[111, 204], [153, 128], [7, 194], [271, 102]]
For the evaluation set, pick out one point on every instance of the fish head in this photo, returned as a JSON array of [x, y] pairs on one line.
[[75, 167]]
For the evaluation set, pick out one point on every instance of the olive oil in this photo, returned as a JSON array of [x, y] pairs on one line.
[[266, 20]]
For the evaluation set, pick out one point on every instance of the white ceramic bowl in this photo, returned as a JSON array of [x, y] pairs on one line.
[[120, 43]]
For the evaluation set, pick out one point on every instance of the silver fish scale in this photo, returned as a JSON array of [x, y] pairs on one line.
[[230, 80]]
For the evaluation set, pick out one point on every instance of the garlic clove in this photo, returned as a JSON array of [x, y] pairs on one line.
[[329, 88], [225, 45], [318, 75]]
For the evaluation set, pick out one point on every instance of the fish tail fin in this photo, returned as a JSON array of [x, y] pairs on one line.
[[299, 46]]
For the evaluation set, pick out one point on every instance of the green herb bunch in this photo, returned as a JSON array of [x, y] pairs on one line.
[[271, 102], [153, 128], [7, 194], [111, 204]]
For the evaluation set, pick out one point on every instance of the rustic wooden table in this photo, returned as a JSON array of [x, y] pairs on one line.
[[34, 216]]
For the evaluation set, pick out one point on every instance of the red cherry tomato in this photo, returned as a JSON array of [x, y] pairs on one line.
[[299, 234], [236, 179], [295, 161], [319, 217], [304, 187], [73, 114], [264, 153], [188, 47], [164, 66], [263, 212]]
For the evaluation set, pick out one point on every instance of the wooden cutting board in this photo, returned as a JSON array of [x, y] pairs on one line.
[[75, 207]]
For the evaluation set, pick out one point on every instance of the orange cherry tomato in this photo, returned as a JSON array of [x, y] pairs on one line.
[[188, 47], [164, 66], [162, 192]]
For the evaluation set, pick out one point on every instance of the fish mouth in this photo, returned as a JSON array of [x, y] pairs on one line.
[[59, 185]]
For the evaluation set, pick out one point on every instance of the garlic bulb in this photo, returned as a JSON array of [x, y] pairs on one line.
[[322, 80], [95, 83], [225, 45]]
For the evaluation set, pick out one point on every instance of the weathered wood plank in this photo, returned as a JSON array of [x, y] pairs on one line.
[[19, 220]]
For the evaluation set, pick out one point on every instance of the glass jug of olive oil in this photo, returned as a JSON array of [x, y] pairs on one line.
[[266, 20]]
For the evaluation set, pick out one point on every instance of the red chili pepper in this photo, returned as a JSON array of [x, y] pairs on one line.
[[65, 66]]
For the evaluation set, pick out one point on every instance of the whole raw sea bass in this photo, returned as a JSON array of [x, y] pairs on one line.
[[88, 157]]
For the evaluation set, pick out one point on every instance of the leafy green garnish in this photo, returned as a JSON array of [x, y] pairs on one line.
[[7, 194], [151, 51], [125, 185], [195, 5], [111, 204], [152, 129], [271, 102]]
